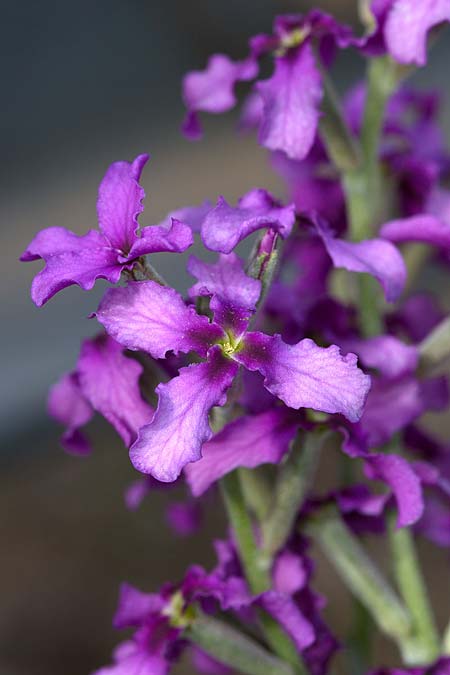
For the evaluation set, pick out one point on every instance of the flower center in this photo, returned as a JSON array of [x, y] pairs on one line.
[[230, 344]]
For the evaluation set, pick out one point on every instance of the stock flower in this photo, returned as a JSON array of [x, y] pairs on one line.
[[289, 100], [155, 319], [72, 259], [105, 381]]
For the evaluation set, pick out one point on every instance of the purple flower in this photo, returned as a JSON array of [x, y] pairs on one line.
[[155, 319], [72, 259], [105, 381], [288, 113]]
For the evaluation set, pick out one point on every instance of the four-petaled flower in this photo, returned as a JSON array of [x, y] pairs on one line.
[[149, 317], [72, 259]]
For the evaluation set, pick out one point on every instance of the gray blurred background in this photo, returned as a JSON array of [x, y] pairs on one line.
[[85, 84]]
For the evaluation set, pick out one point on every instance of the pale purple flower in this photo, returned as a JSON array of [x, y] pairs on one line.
[[155, 319], [72, 259]]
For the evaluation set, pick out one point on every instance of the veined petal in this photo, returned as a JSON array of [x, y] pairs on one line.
[[407, 26], [156, 239], [144, 315], [248, 441], [212, 90], [424, 228], [67, 404], [180, 426], [120, 202], [291, 99], [70, 259], [225, 226], [307, 376], [377, 257], [235, 294], [110, 382], [193, 216]]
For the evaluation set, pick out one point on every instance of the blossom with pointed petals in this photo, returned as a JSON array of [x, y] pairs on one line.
[[72, 259], [105, 381], [155, 319]]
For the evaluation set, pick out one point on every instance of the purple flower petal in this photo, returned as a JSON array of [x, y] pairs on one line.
[[156, 239], [134, 606], [248, 441], [377, 257], [391, 405], [120, 202], [70, 259], [289, 616], [135, 661], [110, 382], [392, 357], [407, 26], [307, 376], [235, 294], [225, 226], [180, 426], [291, 100], [404, 483], [212, 90], [424, 228], [67, 404], [290, 573], [144, 315]]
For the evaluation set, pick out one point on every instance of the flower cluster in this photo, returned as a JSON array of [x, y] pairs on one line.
[[265, 360]]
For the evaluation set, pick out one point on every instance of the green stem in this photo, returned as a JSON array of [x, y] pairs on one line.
[[257, 491], [435, 350], [446, 641], [424, 644], [257, 577], [256, 570], [231, 647], [293, 482], [360, 574]]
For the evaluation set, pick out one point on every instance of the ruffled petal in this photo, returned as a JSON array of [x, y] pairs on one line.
[[70, 259], [193, 216], [407, 26], [67, 404], [180, 426], [144, 315], [120, 202], [424, 228], [110, 382], [225, 226], [212, 90], [157, 239], [248, 441], [392, 357], [291, 99], [307, 376], [135, 606], [377, 257], [234, 293]]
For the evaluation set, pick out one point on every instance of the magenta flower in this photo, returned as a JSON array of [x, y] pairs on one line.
[[155, 319], [72, 259], [289, 100]]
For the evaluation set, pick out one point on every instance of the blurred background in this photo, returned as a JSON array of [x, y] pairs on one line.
[[85, 84]]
